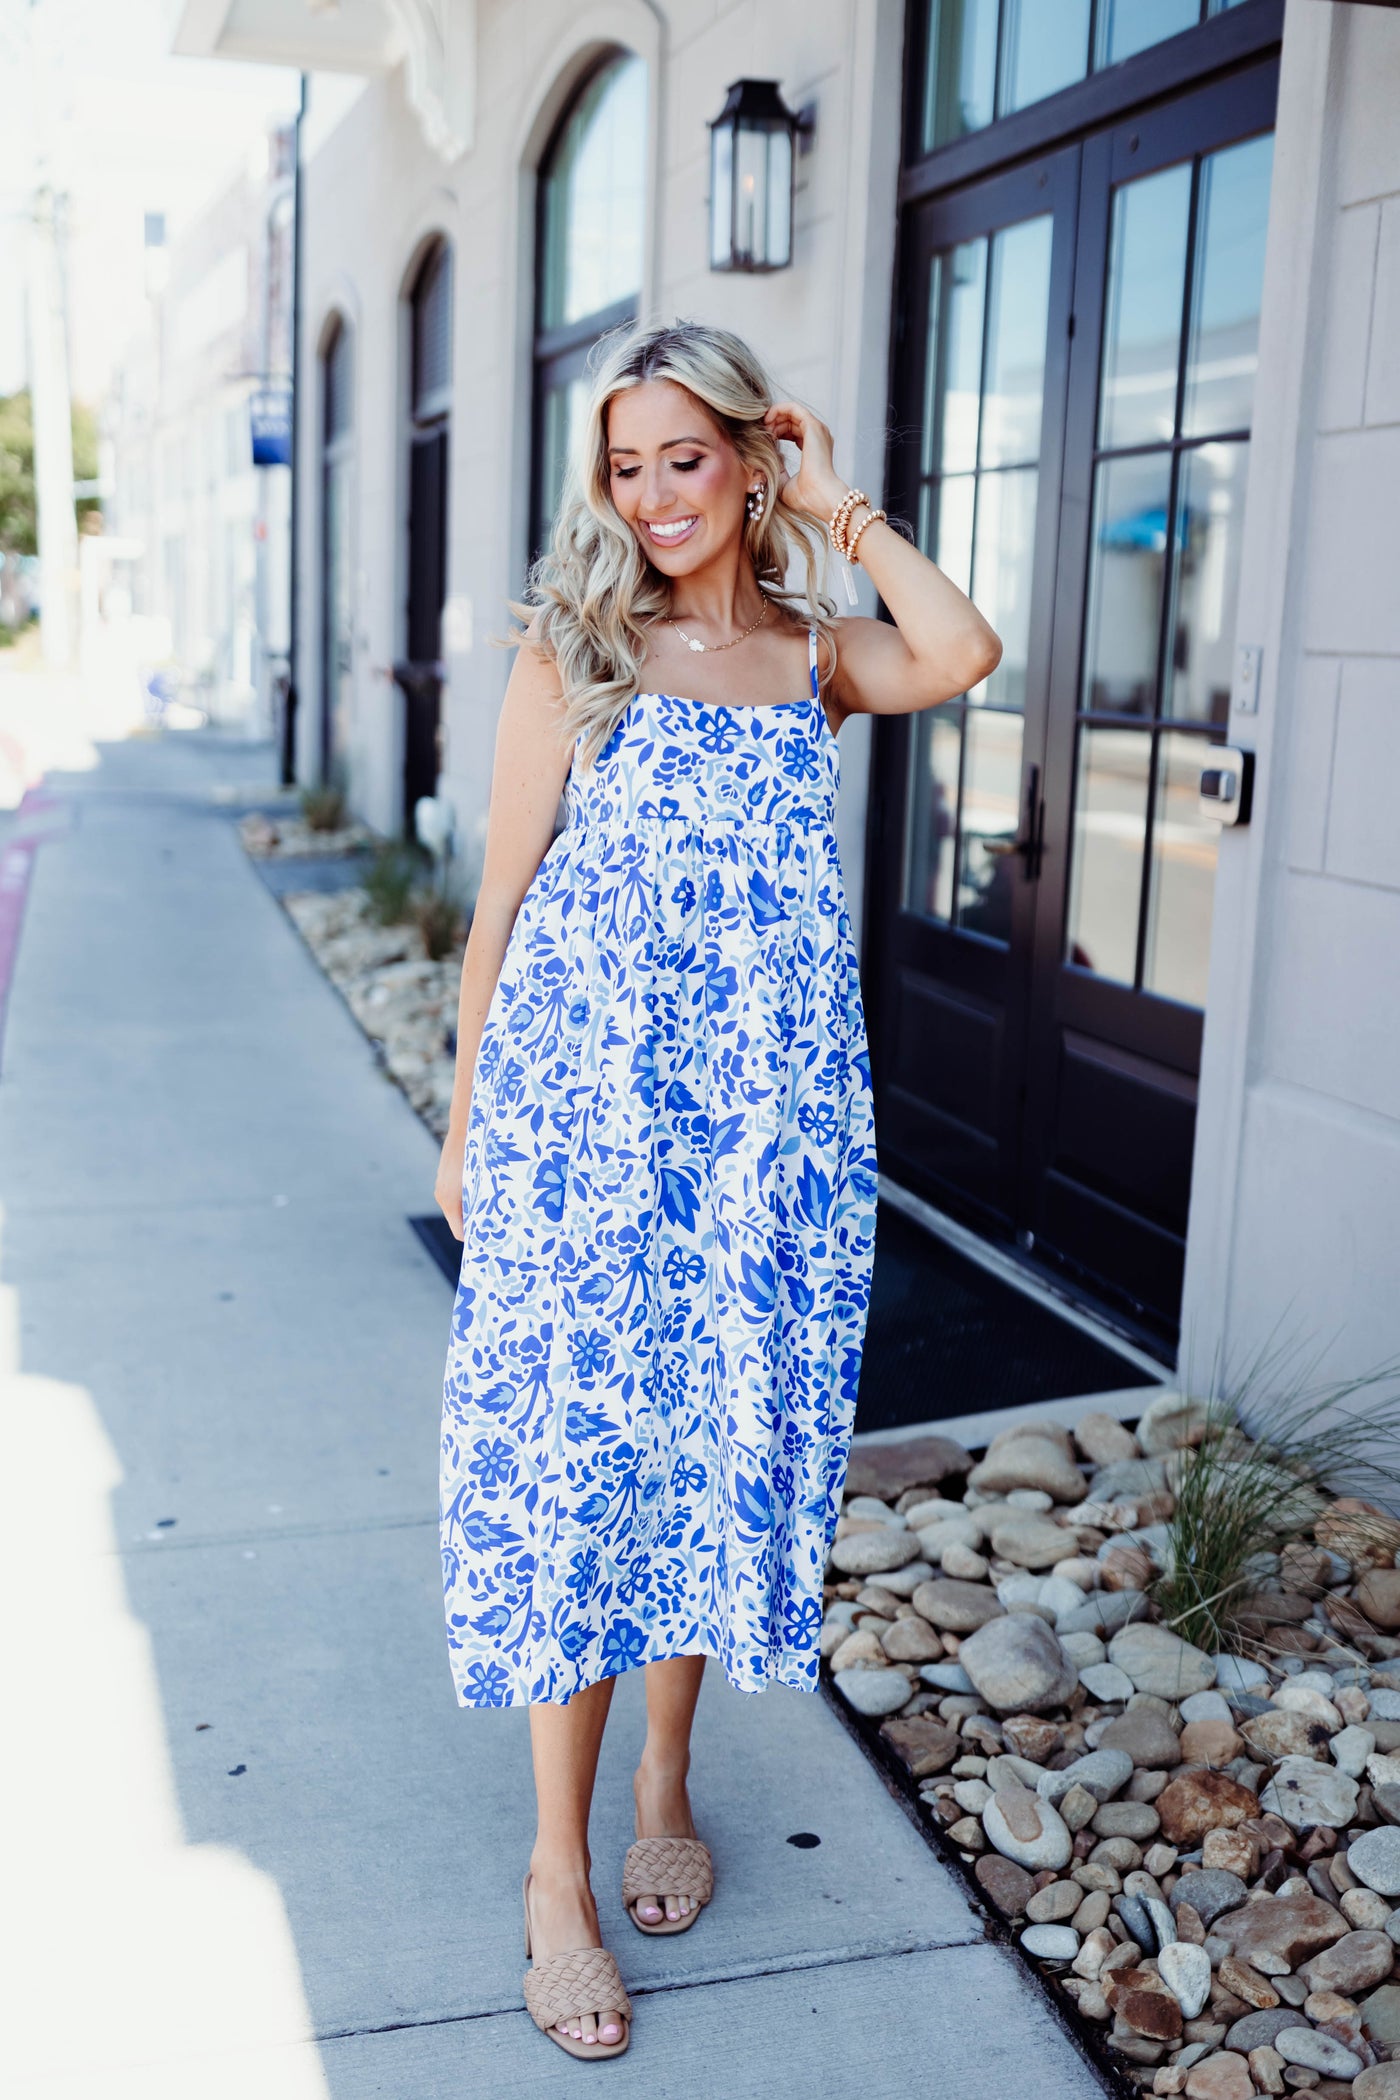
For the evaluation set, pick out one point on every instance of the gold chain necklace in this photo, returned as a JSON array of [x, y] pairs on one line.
[[714, 648]]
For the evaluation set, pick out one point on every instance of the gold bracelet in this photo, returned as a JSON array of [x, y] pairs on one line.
[[841, 517], [854, 541]]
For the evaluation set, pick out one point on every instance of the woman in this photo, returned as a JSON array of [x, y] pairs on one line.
[[660, 1155]]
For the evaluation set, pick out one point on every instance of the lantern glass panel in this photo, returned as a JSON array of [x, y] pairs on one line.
[[750, 195], [721, 196], [779, 244]]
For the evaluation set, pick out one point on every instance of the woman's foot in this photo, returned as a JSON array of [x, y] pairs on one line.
[[563, 1916], [663, 1810]]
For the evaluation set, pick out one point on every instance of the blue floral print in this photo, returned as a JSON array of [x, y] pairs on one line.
[[669, 1217]]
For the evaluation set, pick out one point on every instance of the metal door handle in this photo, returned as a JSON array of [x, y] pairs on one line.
[[1227, 782], [1029, 842]]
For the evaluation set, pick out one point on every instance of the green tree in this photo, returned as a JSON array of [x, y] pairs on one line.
[[18, 519]]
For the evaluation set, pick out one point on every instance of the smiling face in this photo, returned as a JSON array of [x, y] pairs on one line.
[[675, 476]]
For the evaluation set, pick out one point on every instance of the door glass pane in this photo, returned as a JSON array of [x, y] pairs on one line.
[[953, 546], [953, 383], [1142, 320], [984, 382], [595, 198], [990, 807], [1001, 577], [1016, 321], [960, 79], [1110, 824], [1222, 352], [1045, 46], [1126, 26], [1127, 559], [1210, 524], [1184, 850], [931, 824]]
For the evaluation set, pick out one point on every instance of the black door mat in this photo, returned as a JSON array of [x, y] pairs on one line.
[[945, 1336], [436, 1235]]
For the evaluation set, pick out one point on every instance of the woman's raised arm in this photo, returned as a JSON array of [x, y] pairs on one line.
[[939, 645]]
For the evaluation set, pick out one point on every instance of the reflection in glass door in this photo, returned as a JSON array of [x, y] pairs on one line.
[[1185, 266], [988, 315]]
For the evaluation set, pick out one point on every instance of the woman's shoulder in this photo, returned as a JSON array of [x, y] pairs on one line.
[[535, 672]]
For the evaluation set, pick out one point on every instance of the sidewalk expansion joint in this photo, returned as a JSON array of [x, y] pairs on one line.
[[271, 1535], [798, 1965]]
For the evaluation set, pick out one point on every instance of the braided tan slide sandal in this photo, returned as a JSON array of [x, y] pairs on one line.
[[565, 1986], [667, 1867]]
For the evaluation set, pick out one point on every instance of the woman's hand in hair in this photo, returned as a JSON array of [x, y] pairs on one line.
[[816, 488]]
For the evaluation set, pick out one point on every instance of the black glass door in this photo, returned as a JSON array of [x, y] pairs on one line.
[[980, 409], [420, 677], [1173, 212], [419, 673], [1075, 359]]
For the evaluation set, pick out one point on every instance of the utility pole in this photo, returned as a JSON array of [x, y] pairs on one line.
[[52, 410], [50, 401], [288, 770]]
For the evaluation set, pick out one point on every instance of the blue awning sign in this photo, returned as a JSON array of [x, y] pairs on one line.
[[270, 417]]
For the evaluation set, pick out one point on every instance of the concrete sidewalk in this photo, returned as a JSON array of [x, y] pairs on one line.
[[260, 1849]]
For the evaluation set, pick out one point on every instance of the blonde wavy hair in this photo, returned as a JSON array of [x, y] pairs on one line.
[[591, 596]]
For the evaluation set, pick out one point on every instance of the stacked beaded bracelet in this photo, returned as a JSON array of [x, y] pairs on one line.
[[842, 539], [841, 517], [854, 541]]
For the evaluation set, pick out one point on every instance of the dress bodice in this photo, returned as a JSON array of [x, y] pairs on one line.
[[671, 759]]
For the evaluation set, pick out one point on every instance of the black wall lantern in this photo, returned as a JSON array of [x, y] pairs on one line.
[[751, 160]]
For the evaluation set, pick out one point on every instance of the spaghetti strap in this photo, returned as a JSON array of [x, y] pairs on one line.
[[812, 663]]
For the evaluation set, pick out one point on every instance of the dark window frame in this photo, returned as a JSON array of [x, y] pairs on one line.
[[433, 276], [1235, 38], [560, 354], [337, 449]]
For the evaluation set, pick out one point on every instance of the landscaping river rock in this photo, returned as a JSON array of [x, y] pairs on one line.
[[1200, 1850]]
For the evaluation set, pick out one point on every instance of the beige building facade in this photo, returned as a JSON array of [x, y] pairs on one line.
[[1111, 317], [205, 531]]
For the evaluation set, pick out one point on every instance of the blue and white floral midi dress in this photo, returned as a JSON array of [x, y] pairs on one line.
[[669, 1213]]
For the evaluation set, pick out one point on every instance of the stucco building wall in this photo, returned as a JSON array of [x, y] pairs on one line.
[[1295, 1226]]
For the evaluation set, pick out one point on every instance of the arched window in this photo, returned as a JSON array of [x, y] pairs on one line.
[[337, 625], [589, 241], [431, 302], [419, 674]]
